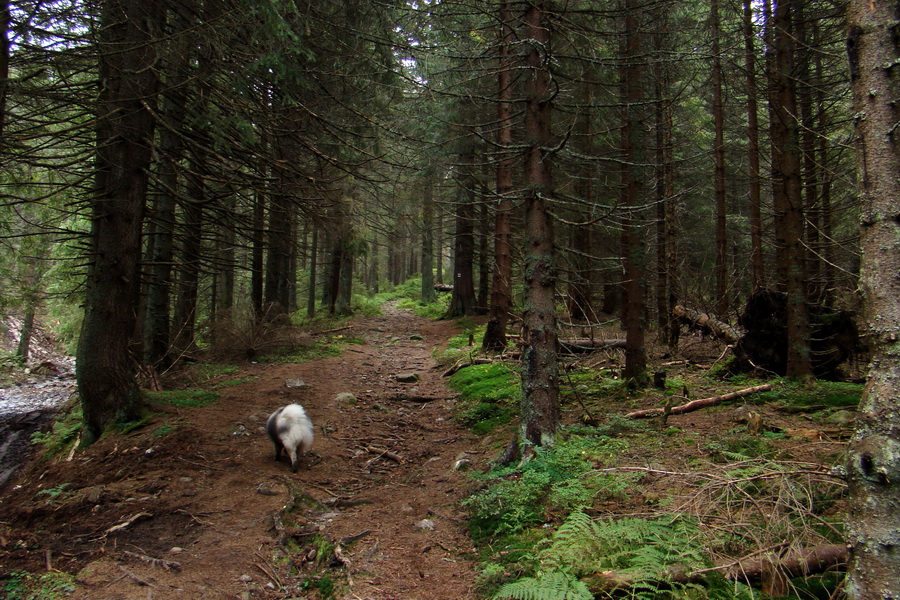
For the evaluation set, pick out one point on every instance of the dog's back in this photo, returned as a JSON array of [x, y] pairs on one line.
[[291, 429]]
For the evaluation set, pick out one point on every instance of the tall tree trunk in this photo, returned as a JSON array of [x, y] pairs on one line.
[[463, 300], [873, 466], [428, 293], [823, 161], [581, 281], [345, 277], [5, 22], [157, 329], [484, 255], [809, 170], [787, 191], [540, 413], [128, 81], [501, 285], [277, 297], [667, 249], [633, 250], [313, 264], [257, 253], [722, 302], [32, 277], [191, 255], [756, 246], [439, 247]]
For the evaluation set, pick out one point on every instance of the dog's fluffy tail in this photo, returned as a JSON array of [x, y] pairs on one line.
[[290, 429]]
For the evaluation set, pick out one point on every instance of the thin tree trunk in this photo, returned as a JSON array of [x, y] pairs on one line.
[[157, 322], [189, 271], [756, 248], [722, 301], [787, 191], [463, 300], [540, 412], [313, 263], [633, 257], [666, 252], [427, 290], [5, 22], [501, 280], [873, 467], [484, 255], [257, 269]]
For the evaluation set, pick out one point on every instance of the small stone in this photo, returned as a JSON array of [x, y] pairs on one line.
[[462, 464], [345, 397], [416, 337], [407, 377], [841, 417], [296, 384], [246, 578], [94, 494], [176, 550], [425, 525]]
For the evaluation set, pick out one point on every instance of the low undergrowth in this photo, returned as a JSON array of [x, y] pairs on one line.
[[601, 514]]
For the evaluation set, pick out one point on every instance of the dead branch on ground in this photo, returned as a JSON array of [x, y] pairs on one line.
[[698, 404]]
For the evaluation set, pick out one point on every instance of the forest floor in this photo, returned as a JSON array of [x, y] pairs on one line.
[[194, 506]]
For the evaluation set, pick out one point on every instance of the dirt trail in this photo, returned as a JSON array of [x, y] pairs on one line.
[[204, 495]]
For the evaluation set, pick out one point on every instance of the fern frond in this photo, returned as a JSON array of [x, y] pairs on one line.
[[555, 585]]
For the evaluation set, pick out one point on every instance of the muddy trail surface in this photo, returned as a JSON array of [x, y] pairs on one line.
[[194, 505]]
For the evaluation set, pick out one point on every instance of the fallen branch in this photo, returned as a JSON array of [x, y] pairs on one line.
[[324, 331], [385, 453], [134, 577], [153, 562], [589, 344], [698, 404], [127, 523]]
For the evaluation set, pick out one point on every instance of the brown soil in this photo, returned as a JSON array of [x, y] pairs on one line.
[[207, 495], [205, 511]]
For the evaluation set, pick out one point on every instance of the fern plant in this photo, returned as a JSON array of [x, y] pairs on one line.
[[554, 585], [645, 553]]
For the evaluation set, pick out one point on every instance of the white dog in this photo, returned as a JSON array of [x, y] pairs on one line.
[[291, 430]]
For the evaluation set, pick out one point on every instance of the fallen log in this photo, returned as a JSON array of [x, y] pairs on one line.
[[698, 404], [589, 344], [706, 324], [798, 563]]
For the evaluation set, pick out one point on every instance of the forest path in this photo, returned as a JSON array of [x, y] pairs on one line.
[[206, 494]]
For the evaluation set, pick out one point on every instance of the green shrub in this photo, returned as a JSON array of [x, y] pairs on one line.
[[561, 478], [52, 585], [63, 433]]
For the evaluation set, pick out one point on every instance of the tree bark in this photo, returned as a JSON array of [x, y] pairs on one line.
[[5, 22], [427, 290], [722, 302], [540, 412], [501, 279], [787, 190], [666, 230], [189, 263], [873, 460], [157, 322], [463, 300], [128, 84], [633, 245], [756, 247]]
